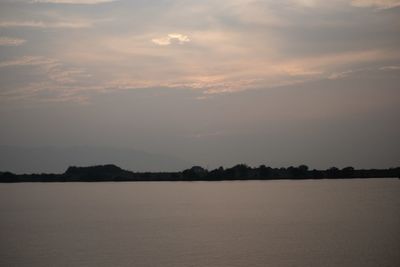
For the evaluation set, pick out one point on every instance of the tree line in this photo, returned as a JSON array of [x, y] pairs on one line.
[[238, 172]]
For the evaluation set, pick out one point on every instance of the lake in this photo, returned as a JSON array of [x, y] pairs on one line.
[[244, 223]]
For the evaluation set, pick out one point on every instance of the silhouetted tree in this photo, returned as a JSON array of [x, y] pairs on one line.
[[265, 172], [195, 172], [333, 172], [347, 172]]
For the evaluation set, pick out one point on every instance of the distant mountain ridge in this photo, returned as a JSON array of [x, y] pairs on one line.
[[53, 159]]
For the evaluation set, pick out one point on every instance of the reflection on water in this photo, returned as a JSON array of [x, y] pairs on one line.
[[270, 223]]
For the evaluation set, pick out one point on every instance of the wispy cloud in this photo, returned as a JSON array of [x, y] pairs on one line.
[[27, 61], [171, 38], [8, 41], [75, 2], [54, 81], [306, 3], [381, 4], [42, 24], [347, 73], [390, 68]]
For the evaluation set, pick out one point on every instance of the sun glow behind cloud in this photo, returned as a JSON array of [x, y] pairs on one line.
[[171, 38]]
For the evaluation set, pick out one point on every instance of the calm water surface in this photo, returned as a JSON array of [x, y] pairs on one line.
[[271, 223]]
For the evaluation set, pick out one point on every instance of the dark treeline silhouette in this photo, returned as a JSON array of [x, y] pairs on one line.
[[239, 172]]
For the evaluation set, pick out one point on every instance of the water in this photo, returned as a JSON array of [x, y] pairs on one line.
[[270, 223]]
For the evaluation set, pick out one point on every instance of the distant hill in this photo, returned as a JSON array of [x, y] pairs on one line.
[[56, 159]]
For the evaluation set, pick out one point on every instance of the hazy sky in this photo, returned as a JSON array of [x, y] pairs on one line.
[[213, 82]]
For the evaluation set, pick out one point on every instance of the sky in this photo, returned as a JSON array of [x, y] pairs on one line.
[[214, 83]]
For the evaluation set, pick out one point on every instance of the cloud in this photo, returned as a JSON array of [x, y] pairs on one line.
[[51, 81], [347, 73], [171, 38], [7, 41], [75, 2], [27, 61], [390, 68], [41, 24], [230, 46], [380, 4], [296, 70], [53, 68], [306, 3]]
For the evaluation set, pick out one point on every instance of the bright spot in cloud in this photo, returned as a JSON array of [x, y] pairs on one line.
[[171, 38]]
